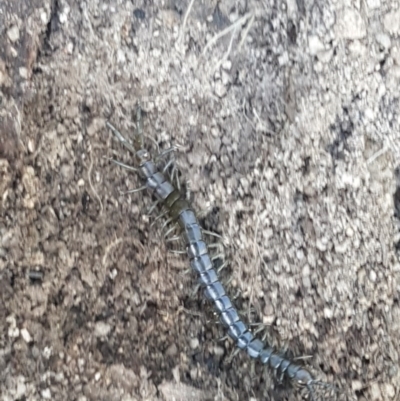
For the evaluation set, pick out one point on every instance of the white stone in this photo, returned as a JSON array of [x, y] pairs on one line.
[[23, 72], [372, 4], [194, 343], [384, 40], [101, 329], [47, 352], [391, 22], [13, 332], [26, 335], [220, 89], [46, 394], [315, 45], [13, 33], [350, 24], [328, 313], [372, 276]]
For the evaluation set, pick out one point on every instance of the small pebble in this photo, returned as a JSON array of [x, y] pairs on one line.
[[139, 13], [372, 276], [172, 350], [26, 335], [220, 89], [194, 343], [46, 394], [13, 34], [101, 329], [218, 351]]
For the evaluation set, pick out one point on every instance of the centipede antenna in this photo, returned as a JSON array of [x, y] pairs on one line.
[[120, 137], [166, 152], [123, 165]]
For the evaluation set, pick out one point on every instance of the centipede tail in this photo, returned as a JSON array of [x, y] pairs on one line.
[[179, 210]]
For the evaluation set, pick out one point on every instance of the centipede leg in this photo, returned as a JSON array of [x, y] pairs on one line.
[[133, 191], [152, 207], [212, 234], [175, 238], [166, 222], [169, 231], [121, 138], [161, 215]]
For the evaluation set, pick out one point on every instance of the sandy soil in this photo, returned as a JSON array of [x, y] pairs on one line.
[[288, 118]]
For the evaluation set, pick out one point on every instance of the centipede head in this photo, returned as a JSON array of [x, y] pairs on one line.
[[142, 156]]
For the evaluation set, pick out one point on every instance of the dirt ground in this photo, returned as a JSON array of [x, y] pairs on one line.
[[288, 118]]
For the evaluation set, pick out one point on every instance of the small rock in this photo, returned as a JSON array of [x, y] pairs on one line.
[[23, 72], [391, 22], [390, 391], [375, 392], [315, 45], [26, 335], [193, 373], [328, 313], [13, 332], [227, 65], [341, 248], [356, 385], [218, 351], [372, 276], [172, 350], [220, 89], [139, 13], [13, 34], [300, 254], [101, 329], [306, 270], [384, 40], [194, 343], [372, 4], [350, 24], [46, 394], [321, 245]]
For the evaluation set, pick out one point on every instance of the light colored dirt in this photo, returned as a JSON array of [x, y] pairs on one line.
[[290, 132]]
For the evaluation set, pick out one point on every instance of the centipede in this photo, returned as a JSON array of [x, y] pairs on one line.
[[178, 211]]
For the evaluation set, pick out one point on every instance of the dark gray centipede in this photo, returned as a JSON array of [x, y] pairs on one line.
[[178, 210]]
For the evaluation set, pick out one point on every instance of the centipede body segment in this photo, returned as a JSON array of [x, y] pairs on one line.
[[180, 211]]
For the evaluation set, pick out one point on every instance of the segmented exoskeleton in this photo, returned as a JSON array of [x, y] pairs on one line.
[[180, 211]]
